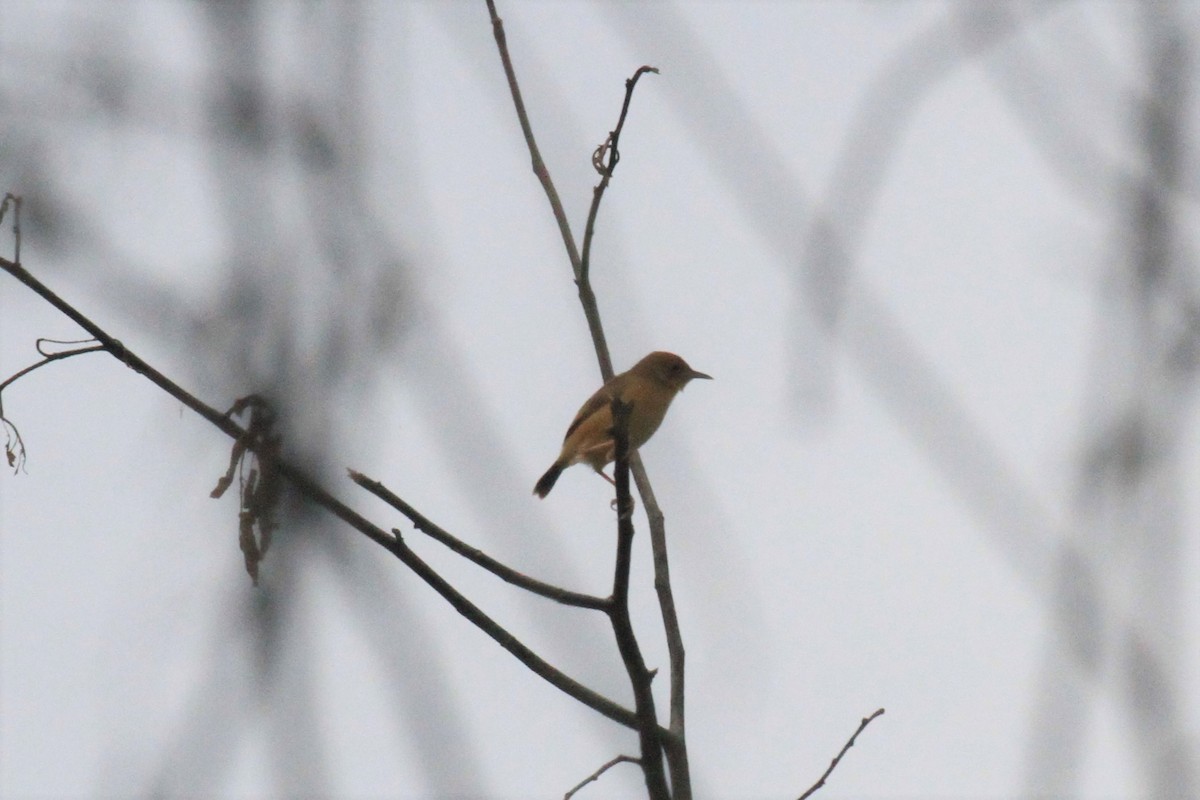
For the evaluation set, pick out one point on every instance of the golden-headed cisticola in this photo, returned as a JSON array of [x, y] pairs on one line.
[[648, 388]]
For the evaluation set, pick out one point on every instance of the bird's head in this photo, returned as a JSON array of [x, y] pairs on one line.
[[667, 369]]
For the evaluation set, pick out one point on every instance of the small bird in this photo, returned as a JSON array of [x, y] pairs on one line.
[[648, 387]]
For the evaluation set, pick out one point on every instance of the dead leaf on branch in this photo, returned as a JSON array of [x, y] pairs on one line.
[[254, 460]]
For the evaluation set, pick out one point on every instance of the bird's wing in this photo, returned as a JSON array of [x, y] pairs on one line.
[[597, 401]]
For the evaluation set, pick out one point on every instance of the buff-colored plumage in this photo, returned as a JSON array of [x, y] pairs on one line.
[[648, 387]]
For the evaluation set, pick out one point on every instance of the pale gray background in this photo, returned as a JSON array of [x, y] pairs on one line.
[[940, 258]]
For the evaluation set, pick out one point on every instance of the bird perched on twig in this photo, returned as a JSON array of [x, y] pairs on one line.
[[648, 387]]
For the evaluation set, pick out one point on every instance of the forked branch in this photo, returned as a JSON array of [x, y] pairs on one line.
[[605, 159]]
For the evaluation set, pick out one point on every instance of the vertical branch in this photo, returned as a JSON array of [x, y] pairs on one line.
[[631, 654], [676, 743], [605, 160]]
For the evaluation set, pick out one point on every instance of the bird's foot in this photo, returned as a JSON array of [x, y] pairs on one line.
[[632, 505]]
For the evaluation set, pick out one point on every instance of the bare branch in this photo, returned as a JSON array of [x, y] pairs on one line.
[[14, 446], [605, 168], [539, 166], [833, 764], [526, 656], [676, 744], [48, 358], [586, 298], [675, 741], [497, 568], [317, 494], [605, 159], [596, 775], [640, 678]]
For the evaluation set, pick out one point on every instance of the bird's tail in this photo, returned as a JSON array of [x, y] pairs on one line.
[[547, 481]]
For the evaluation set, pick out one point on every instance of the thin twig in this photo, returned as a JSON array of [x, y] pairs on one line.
[[607, 155], [14, 445], [317, 494], [497, 568], [595, 326], [596, 775], [539, 166], [833, 764], [46, 360], [605, 162]]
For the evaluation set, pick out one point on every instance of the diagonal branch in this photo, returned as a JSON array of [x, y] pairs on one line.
[[540, 666], [497, 568], [595, 776], [560, 216], [314, 492], [833, 764]]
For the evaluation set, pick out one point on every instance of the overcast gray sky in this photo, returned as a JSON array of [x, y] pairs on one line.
[[939, 258]]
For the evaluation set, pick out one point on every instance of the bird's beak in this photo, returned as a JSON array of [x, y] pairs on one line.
[[696, 374]]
